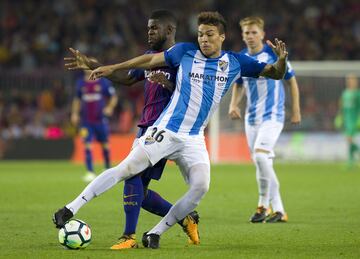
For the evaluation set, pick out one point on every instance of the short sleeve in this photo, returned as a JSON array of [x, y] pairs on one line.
[[174, 54], [250, 67], [139, 74], [289, 71], [240, 81]]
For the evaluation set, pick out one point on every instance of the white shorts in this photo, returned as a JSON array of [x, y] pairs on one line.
[[263, 136], [185, 150]]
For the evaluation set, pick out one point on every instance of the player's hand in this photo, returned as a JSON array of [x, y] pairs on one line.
[[77, 61], [75, 119], [108, 111], [295, 118], [279, 48], [160, 78], [101, 72], [235, 113]]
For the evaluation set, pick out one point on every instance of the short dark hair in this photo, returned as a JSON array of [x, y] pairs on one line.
[[164, 16], [213, 18]]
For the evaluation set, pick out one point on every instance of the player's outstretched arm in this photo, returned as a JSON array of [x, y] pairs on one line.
[[145, 61], [278, 69], [79, 60]]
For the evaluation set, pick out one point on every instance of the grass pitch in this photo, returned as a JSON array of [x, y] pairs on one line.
[[322, 201]]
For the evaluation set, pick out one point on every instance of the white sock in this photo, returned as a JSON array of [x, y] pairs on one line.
[[263, 171], [133, 164], [199, 180], [275, 197]]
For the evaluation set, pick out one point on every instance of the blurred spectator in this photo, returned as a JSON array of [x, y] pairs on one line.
[[35, 37], [14, 123], [46, 101], [54, 132], [35, 127]]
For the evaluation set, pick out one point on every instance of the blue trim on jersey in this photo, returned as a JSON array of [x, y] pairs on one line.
[[207, 97], [270, 91], [281, 104], [254, 96], [163, 112], [175, 53], [226, 88], [178, 115], [250, 67], [289, 71], [270, 99]]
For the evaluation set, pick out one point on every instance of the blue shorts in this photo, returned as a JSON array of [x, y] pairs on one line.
[[99, 131], [154, 172]]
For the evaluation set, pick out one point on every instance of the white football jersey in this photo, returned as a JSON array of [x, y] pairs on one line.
[[200, 85], [265, 96]]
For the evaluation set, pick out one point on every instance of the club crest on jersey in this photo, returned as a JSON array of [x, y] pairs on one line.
[[97, 88], [223, 65], [149, 140]]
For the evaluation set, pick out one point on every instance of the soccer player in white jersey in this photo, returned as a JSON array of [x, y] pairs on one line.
[[205, 73], [264, 118]]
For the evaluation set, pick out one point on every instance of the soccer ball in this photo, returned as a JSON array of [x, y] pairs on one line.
[[75, 234]]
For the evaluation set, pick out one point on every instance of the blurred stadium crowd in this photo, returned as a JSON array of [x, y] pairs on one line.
[[35, 35]]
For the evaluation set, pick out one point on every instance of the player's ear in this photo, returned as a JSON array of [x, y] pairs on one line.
[[263, 35], [222, 37], [170, 29]]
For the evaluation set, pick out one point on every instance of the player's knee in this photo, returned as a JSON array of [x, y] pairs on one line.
[[275, 183], [134, 163], [199, 189], [204, 188], [261, 157]]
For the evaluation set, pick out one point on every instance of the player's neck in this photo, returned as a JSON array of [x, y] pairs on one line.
[[216, 54], [256, 49], [168, 44]]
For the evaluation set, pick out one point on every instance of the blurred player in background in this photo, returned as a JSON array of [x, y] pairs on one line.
[[161, 36], [264, 118], [93, 104], [205, 73], [350, 112]]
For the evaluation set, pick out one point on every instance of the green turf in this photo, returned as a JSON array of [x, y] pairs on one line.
[[322, 202]]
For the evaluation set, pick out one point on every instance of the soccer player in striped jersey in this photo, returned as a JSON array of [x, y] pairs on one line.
[[94, 102], [264, 118], [205, 73], [161, 36]]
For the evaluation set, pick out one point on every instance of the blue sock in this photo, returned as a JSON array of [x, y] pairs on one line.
[[133, 197], [155, 204], [88, 159], [106, 155]]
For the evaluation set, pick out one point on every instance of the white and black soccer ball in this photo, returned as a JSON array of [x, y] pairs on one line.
[[75, 234]]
